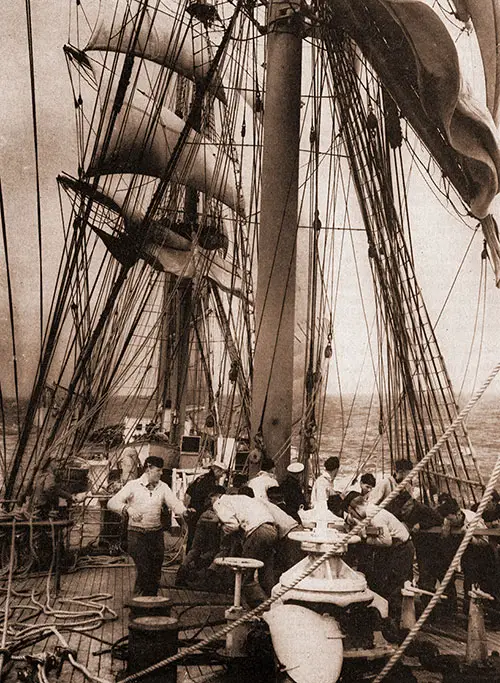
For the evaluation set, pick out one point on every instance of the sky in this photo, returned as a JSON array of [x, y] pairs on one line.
[[439, 241]]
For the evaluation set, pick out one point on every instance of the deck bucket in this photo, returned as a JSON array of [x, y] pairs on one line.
[[150, 606], [150, 640]]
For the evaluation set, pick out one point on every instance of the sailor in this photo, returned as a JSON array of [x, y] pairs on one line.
[[480, 565], [367, 483], [141, 501], [194, 569], [292, 489], [416, 515], [239, 480], [240, 513], [196, 499], [392, 561], [127, 463], [419, 518], [323, 486], [288, 552], [47, 492], [264, 479], [388, 483]]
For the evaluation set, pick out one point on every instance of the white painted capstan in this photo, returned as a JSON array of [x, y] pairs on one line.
[[333, 581]]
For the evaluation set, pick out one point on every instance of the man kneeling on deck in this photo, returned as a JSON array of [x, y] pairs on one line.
[[391, 562], [141, 501], [255, 521]]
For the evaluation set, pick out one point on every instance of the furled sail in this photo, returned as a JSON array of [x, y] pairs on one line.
[[164, 37], [142, 144], [416, 58]]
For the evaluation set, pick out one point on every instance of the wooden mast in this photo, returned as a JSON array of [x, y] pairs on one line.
[[272, 390]]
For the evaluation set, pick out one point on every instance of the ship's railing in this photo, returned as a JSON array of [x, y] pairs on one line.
[[38, 545]]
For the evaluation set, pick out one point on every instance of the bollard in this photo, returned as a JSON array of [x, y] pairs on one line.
[[149, 606], [477, 643], [152, 639], [408, 616], [237, 637]]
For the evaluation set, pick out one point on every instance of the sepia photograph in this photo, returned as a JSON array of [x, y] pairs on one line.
[[250, 343]]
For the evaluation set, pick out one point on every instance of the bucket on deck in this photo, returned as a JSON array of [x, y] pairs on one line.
[[150, 640]]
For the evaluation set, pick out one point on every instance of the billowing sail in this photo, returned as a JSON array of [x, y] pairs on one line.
[[139, 144], [416, 58], [485, 17], [160, 35], [194, 263]]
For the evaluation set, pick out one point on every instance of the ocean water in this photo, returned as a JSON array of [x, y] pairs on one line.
[[350, 430]]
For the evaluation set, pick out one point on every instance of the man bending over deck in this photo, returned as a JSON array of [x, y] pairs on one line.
[[141, 501], [391, 563], [251, 517]]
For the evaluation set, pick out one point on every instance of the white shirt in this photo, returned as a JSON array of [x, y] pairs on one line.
[[147, 502], [391, 528], [241, 512], [283, 522], [261, 482], [382, 489], [322, 488]]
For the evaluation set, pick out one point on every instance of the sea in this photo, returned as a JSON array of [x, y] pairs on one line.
[[349, 429]]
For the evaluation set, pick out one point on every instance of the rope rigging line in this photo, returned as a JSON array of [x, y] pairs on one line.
[[404, 301], [29, 28], [11, 318], [481, 295]]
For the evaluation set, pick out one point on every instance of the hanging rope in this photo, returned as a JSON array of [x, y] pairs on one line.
[[7, 599]]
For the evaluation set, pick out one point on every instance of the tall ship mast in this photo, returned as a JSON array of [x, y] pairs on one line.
[[239, 269], [200, 173]]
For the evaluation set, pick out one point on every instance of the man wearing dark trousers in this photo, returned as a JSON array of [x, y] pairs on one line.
[[141, 501]]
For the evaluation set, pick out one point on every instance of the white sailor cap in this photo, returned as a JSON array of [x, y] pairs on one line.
[[295, 467], [219, 464]]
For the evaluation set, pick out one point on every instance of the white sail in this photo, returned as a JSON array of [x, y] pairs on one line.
[[485, 18], [141, 145], [165, 37]]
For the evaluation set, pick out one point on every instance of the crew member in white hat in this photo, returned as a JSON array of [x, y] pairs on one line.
[[292, 489]]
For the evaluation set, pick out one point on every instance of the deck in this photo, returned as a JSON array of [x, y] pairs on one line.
[[101, 587]]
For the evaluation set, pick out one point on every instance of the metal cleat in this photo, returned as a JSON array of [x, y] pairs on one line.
[[415, 590], [408, 616], [476, 593]]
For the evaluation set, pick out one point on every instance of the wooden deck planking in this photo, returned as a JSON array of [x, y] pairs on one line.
[[72, 585], [83, 585], [118, 582]]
